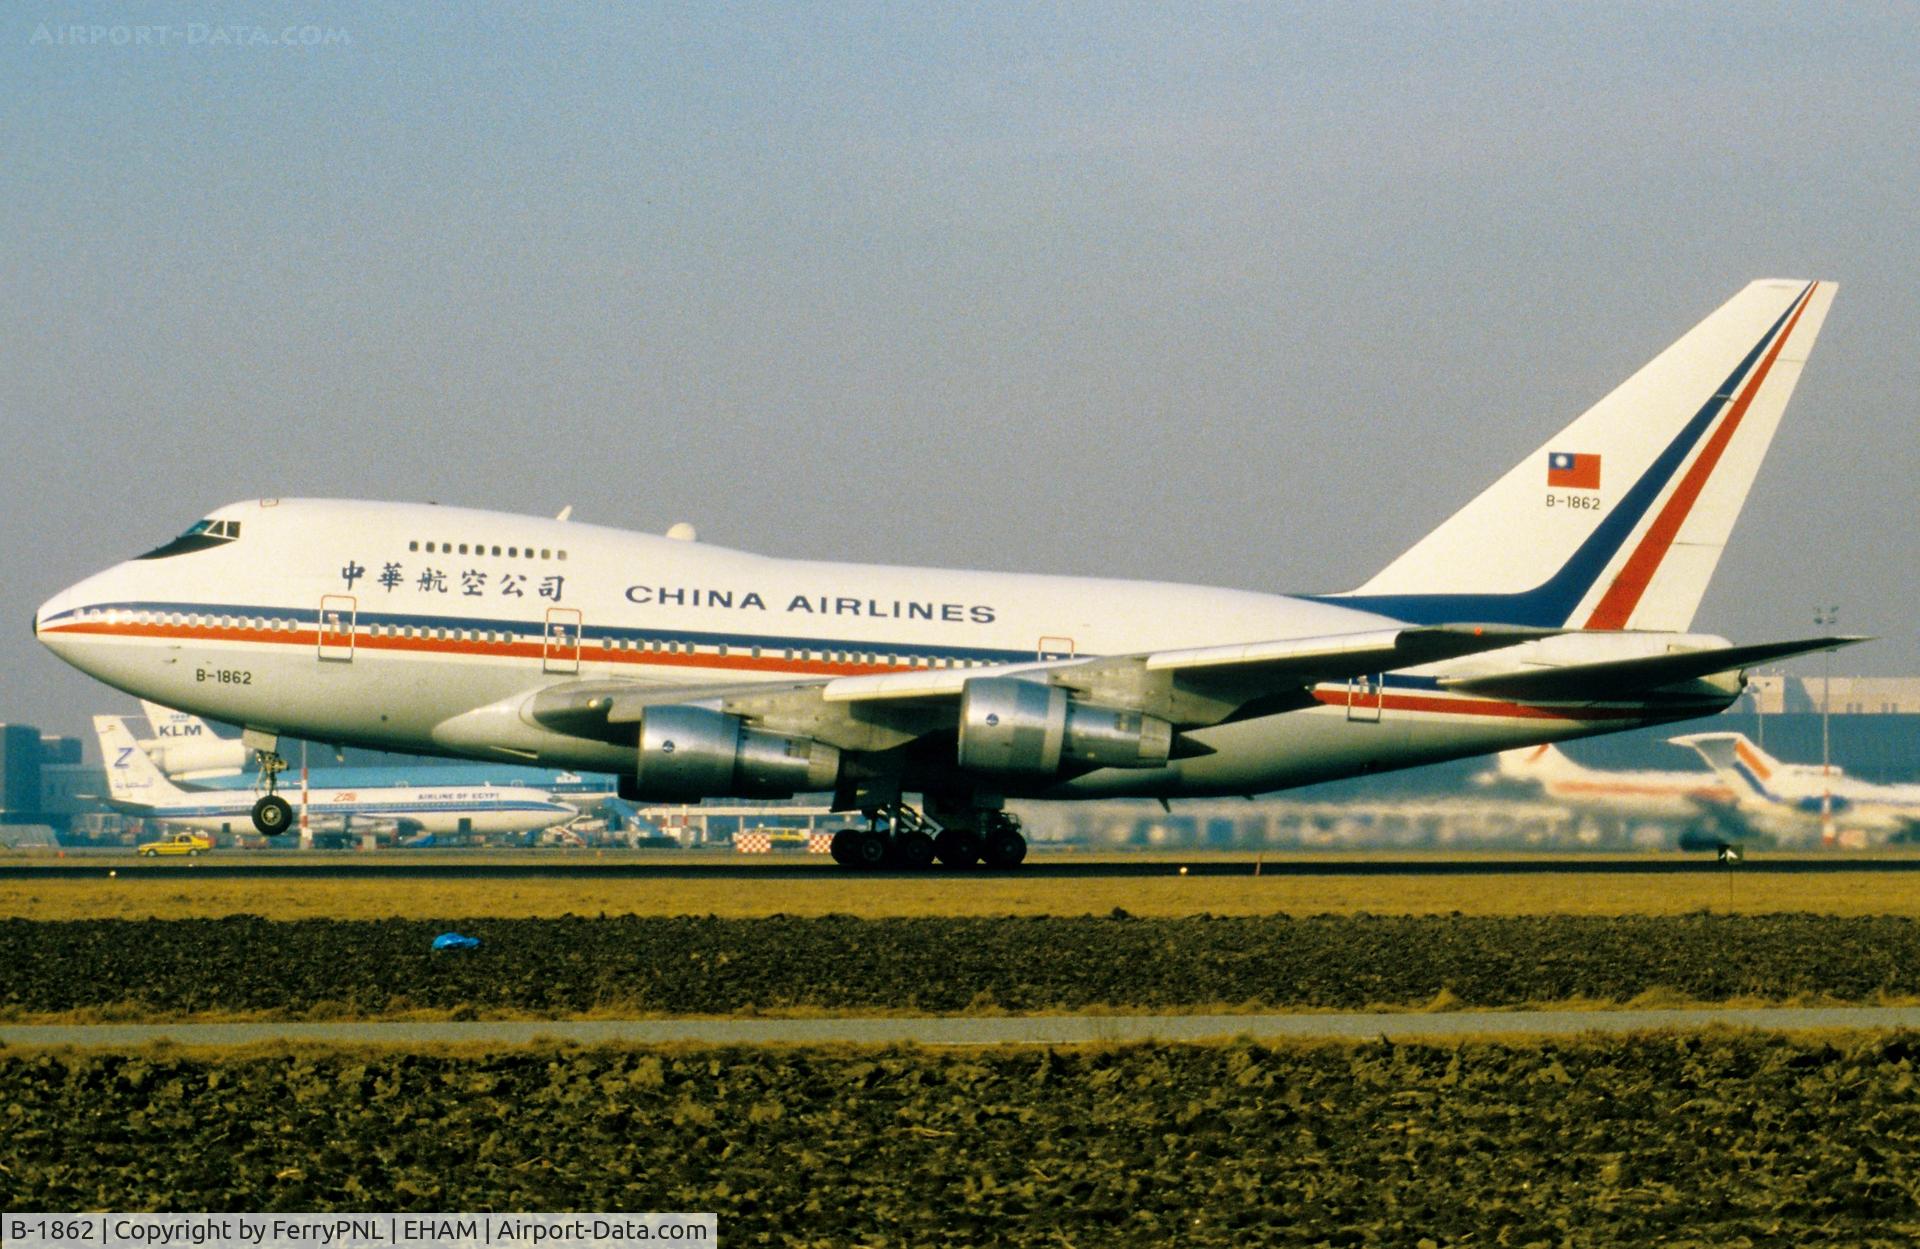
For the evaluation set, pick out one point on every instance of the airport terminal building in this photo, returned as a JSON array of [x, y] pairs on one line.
[[41, 780]]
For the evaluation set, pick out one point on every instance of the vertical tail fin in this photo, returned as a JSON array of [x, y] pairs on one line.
[[132, 778], [1535, 763], [159, 718], [1618, 520], [186, 748], [1743, 766]]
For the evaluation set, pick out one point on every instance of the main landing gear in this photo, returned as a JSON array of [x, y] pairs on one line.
[[901, 838], [272, 815]]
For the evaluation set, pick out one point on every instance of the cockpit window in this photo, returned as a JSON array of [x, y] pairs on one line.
[[200, 536]]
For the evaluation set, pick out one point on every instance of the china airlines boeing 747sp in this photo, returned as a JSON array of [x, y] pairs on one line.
[[1555, 605]]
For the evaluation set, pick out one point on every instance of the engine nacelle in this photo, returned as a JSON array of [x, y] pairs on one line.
[[1015, 726], [690, 753], [197, 757]]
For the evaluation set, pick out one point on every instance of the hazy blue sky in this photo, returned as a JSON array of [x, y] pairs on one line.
[[1248, 294]]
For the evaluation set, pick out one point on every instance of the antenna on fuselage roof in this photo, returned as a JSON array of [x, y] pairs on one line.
[[565, 512]]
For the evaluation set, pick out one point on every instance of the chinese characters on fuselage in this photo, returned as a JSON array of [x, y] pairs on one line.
[[468, 582]]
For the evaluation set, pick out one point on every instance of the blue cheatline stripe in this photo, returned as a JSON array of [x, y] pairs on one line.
[[1551, 604], [1753, 778], [532, 632]]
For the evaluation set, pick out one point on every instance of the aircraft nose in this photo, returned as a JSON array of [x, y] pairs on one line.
[[46, 611], [52, 611]]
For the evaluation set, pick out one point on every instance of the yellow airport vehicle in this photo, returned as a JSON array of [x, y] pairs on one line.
[[178, 843]]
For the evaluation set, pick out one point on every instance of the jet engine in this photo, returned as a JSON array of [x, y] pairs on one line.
[[197, 757], [690, 753], [1013, 726]]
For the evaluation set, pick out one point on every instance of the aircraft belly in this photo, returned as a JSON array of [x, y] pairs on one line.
[[1308, 747], [383, 701]]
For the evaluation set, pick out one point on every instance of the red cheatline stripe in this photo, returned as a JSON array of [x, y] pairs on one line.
[[1337, 697], [1658, 791], [308, 639], [1616, 606]]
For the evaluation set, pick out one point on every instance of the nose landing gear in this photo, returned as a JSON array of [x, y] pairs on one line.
[[272, 815]]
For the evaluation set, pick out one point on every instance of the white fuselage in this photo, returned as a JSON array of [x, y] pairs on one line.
[[1808, 793], [383, 624], [1639, 794], [477, 809]]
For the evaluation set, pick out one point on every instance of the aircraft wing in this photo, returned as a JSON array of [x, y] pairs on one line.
[[1618, 678], [1251, 670], [589, 707], [1187, 688]]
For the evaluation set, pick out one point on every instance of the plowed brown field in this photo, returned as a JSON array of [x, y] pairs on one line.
[[626, 965], [1715, 1140]]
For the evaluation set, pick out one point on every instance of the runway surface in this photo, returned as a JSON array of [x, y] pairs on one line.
[[973, 1030], [324, 866]]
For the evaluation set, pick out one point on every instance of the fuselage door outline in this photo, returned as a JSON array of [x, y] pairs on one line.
[[1365, 696], [560, 645], [336, 627]]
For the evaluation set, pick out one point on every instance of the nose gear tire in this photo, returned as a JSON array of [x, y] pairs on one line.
[[272, 815]]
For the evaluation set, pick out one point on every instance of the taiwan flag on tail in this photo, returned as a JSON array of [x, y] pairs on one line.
[[1573, 471]]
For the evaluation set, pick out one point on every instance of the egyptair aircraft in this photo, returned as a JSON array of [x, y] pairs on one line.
[[136, 785], [1555, 605]]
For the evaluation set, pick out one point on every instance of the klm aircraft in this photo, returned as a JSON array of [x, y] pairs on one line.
[[138, 787], [188, 749]]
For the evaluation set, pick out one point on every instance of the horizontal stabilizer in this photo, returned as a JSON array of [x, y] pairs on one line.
[[1722, 750], [1624, 678], [1741, 765]]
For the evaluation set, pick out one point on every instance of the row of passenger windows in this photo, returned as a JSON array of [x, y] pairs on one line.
[[482, 548], [272, 624], [207, 620], [424, 631], [202, 620]]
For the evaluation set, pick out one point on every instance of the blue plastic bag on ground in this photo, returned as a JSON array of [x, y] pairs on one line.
[[454, 941]]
